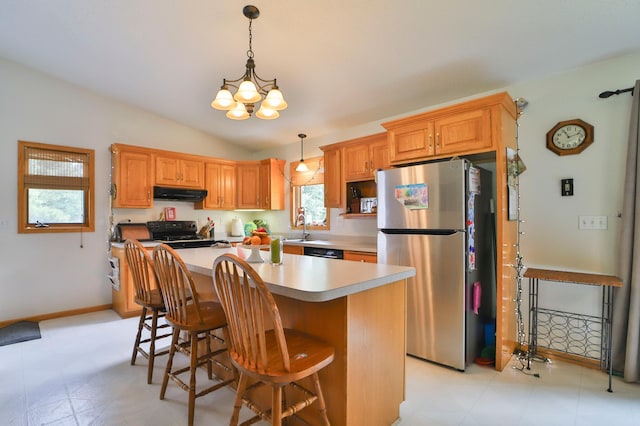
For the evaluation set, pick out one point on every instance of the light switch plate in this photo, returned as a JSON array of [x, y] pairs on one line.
[[566, 187]]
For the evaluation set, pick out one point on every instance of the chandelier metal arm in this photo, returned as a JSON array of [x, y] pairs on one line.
[[263, 86]]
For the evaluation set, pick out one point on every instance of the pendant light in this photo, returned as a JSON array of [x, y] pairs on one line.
[[250, 88], [302, 167]]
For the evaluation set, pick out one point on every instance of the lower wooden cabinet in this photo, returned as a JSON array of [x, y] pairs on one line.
[[123, 300], [293, 249], [361, 256]]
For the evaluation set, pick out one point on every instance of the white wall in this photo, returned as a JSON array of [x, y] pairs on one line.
[[551, 237], [41, 274], [49, 273]]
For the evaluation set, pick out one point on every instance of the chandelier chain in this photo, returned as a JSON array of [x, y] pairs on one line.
[[250, 51]]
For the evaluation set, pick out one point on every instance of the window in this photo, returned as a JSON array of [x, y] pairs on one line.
[[55, 188], [307, 191]]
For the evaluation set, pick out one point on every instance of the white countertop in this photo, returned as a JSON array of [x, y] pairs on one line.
[[306, 278]]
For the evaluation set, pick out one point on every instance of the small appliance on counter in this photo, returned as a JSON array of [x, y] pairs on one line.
[[368, 205], [237, 228], [136, 231]]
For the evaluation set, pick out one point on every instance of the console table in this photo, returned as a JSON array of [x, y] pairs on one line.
[[607, 282]]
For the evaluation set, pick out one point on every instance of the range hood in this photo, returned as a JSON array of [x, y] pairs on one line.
[[178, 194]]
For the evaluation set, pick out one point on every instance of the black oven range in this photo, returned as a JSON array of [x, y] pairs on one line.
[[179, 234]]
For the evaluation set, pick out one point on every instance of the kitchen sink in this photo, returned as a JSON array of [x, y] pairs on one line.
[[298, 240]]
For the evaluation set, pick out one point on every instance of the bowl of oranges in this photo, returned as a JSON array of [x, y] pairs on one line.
[[259, 239]]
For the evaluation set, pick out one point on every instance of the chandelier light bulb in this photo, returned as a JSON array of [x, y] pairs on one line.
[[224, 100], [275, 100], [267, 113], [302, 167], [238, 112], [247, 93]]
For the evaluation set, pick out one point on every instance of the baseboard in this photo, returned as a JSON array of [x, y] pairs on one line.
[[57, 314]]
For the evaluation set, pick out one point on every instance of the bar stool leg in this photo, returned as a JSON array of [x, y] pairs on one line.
[[167, 370], [143, 316], [192, 379]]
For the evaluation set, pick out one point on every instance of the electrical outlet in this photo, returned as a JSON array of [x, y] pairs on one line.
[[592, 222], [4, 224]]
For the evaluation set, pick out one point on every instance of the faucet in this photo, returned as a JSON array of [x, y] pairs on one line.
[[302, 217]]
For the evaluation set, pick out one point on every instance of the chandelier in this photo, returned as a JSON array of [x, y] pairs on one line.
[[250, 88]]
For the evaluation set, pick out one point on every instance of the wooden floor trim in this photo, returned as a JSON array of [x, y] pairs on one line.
[[60, 314]]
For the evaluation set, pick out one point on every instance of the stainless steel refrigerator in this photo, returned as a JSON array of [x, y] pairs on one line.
[[437, 218]]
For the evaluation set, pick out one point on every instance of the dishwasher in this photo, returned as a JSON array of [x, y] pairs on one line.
[[324, 252]]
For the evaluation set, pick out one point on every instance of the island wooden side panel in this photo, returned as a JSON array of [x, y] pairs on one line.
[[365, 383], [376, 355]]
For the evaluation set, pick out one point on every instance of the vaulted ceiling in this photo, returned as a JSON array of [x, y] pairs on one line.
[[339, 63]]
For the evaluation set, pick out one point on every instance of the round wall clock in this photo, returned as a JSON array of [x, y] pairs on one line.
[[570, 137]]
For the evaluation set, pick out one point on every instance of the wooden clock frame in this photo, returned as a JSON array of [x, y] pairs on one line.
[[588, 140]]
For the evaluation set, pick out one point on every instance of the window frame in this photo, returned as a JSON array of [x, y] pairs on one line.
[[314, 176], [24, 227]]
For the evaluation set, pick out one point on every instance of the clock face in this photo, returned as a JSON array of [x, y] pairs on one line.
[[569, 137]]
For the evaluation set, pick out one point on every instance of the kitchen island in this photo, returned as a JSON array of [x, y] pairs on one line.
[[358, 308]]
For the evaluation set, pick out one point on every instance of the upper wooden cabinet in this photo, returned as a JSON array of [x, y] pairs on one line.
[[272, 184], [177, 170], [363, 156], [462, 129], [248, 176], [261, 184], [333, 182], [220, 183], [132, 177]]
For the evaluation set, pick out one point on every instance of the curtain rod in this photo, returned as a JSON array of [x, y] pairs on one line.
[[606, 94]]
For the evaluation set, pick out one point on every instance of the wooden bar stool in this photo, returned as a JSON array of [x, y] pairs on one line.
[[188, 314], [262, 350], [148, 296]]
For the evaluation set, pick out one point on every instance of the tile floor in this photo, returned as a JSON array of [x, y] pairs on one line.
[[78, 373]]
